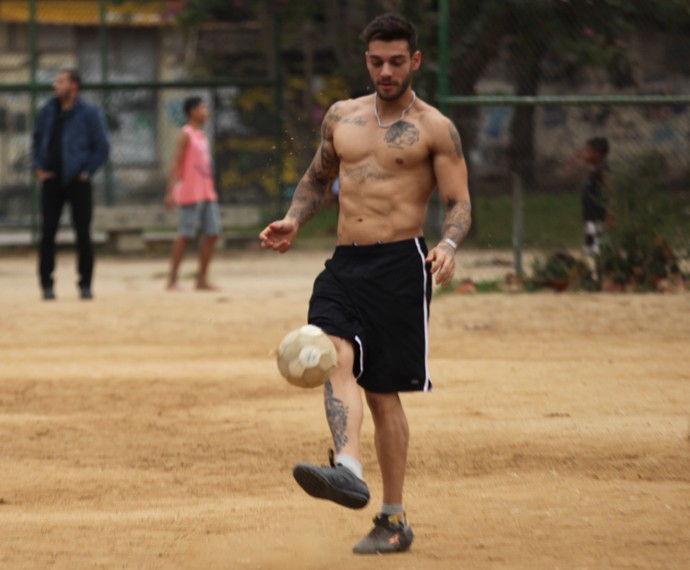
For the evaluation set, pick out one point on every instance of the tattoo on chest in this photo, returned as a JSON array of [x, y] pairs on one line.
[[365, 173], [358, 120], [402, 134]]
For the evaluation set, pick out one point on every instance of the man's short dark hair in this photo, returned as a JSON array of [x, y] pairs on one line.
[[191, 103], [599, 145], [391, 27], [73, 75]]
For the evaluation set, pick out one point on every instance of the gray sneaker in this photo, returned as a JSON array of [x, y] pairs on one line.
[[390, 534], [335, 483]]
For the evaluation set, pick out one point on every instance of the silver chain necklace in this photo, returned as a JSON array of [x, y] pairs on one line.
[[402, 115]]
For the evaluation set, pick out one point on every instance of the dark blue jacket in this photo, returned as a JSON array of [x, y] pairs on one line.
[[85, 145]]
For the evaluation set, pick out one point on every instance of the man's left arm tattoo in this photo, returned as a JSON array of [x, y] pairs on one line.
[[457, 142], [457, 221]]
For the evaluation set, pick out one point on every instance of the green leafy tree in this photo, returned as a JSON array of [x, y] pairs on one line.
[[579, 32]]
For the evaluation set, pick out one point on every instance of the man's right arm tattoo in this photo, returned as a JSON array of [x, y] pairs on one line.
[[313, 186], [308, 195], [336, 414]]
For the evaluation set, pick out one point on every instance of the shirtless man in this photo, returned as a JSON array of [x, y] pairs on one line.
[[390, 150]]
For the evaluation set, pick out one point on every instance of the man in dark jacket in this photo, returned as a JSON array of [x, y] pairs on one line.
[[70, 143]]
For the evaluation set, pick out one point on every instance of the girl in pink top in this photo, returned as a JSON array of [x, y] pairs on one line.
[[191, 188], [195, 178]]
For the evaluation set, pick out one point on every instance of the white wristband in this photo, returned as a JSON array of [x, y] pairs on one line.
[[451, 243]]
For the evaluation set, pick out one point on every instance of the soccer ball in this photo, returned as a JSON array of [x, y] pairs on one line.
[[306, 357]]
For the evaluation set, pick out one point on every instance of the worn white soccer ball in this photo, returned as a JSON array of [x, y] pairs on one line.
[[306, 357]]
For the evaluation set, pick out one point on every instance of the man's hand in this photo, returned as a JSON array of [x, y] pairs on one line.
[[442, 259], [279, 235], [44, 174]]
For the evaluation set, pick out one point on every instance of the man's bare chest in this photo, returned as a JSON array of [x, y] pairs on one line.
[[402, 145]]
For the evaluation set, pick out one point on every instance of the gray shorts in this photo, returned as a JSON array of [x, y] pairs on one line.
[[201, 215]]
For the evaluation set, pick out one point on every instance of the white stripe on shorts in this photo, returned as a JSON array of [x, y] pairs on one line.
[[427, 380], [361, 357]]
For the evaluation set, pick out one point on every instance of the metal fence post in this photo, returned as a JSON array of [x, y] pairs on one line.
[[33, 66], [517, 223], [436, 210], [277, 32], [105, 75], [443, 55]]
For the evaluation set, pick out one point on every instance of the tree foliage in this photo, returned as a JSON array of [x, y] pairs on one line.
[[577, 33], [195, 12]]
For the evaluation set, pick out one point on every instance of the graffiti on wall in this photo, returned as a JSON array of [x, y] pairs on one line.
[[560, 130]]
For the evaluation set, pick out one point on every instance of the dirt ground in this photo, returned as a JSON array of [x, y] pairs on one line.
[[151, 430]]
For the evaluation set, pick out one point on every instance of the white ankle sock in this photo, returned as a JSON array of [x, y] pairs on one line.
[[350, 462], [392, 509]]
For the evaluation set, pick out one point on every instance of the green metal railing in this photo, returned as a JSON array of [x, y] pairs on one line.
[[580, 100], [672, 104], [34, 88]]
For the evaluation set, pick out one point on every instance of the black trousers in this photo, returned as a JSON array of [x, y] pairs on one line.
[[53, 198]]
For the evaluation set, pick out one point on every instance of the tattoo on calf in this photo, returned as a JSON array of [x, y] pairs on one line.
[[455, 137], [402, 134], [336, 414]]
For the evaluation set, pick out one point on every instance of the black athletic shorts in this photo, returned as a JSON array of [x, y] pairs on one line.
[[377, 297]]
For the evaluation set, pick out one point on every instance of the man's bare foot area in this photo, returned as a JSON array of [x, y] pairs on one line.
[[173, 287], [206, 287]]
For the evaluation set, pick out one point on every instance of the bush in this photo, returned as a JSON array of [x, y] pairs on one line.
[[634, 253], [561, 271]]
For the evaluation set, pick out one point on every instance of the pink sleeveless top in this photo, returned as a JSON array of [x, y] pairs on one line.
[[196, 175]]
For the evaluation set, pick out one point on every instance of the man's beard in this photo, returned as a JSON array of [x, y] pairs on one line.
[[65, 96], [404, 84]]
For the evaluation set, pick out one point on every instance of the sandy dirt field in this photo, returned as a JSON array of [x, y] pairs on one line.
[[151, 430]]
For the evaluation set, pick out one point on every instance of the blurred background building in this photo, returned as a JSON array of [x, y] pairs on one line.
[[271, 68]]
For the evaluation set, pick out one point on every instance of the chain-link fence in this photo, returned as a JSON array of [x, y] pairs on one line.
[[529, 83], [138, 64], [648, 160]]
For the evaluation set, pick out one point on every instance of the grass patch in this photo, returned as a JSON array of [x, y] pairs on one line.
[[483, 286], [551, 221], [489, 286]]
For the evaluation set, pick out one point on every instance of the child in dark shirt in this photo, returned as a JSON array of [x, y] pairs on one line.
[[595, 202]]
